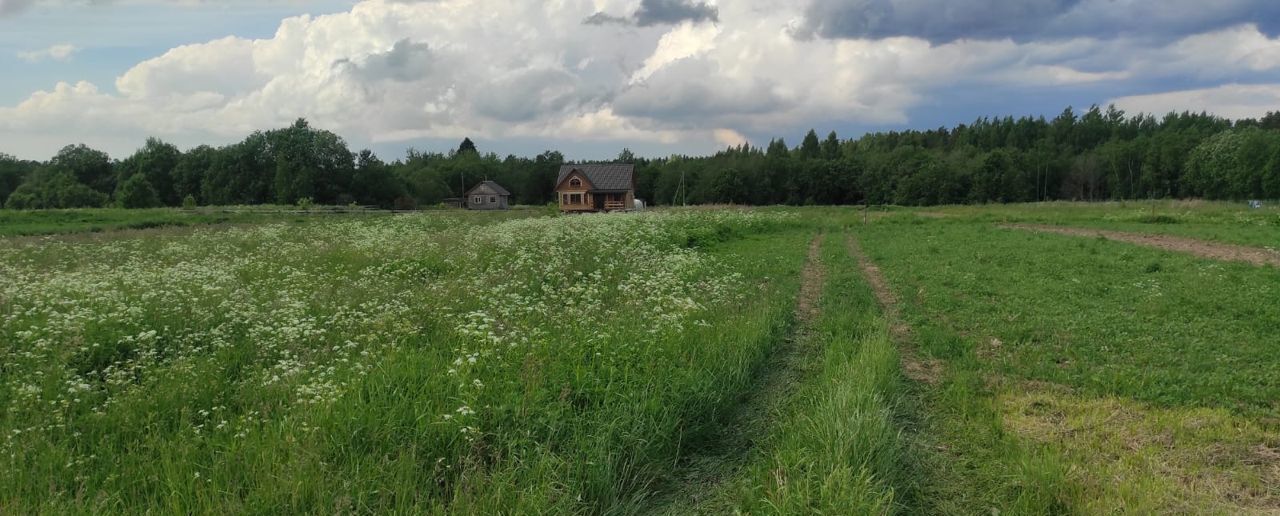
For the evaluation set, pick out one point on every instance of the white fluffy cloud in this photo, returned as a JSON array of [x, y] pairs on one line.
[[389, 71]]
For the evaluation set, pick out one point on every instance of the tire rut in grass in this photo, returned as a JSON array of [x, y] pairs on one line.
[[702, 472], [1201, 248], [913, 366]]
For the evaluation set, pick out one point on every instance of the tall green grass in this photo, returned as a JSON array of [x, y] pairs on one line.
[[413, 364], [838, 446]]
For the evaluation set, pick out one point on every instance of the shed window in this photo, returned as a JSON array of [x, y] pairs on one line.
[[575, 182], [477, 199], [493, 199]]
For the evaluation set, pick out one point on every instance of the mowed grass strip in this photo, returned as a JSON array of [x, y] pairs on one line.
[[1214, 221], [1105, 317], [1105, 377], [1201, 248]]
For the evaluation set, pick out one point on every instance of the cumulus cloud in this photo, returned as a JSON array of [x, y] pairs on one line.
[[1234, 101], [15, 7], [60, 52], [395, 70], [941, 21]]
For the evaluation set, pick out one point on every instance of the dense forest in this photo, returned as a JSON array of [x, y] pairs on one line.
[[1099, 155]]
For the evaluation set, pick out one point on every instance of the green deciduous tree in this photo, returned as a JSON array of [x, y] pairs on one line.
[[88, 166], [156, 161], [137, 192]]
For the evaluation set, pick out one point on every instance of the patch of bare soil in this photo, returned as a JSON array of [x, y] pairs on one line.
[[811, 281], [1201, 248], [916, 368]]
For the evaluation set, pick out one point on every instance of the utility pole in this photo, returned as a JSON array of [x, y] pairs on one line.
[[682, 195]]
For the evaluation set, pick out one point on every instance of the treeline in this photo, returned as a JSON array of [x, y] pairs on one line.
[[1102, 154], [1099, 155], [297, 164]]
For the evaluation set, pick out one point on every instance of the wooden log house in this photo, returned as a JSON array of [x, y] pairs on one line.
[[596, 188]]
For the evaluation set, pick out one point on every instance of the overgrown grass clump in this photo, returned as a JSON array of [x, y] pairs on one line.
[[421, 363]]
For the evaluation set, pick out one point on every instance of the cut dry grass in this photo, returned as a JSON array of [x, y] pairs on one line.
[[1137, 459]]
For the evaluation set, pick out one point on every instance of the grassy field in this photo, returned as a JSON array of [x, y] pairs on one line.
[[1233, 223], [712, 361], [52, 222], [99, 220]]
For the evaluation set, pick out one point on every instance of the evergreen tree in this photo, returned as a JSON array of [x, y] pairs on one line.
[[810, 148], [467, 147]]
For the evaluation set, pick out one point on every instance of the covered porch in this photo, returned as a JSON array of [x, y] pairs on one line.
[[594, 201]]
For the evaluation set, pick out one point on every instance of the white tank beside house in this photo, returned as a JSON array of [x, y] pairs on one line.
[[638, 205]]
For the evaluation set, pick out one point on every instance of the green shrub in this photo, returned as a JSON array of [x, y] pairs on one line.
[[137, 192], [50, 190]]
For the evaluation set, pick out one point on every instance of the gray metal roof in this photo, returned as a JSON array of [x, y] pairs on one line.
[[603, 177], [497, 188]]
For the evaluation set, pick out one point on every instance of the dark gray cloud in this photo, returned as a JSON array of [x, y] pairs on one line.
[[12, 7], [605, 19], [526, 95], [692, 91], [661, 12], [406, 61], [943, 21]]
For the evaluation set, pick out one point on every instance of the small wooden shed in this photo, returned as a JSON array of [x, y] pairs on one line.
[[488, 195]]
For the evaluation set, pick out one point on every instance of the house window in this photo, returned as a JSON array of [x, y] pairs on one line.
[[574, 198], [477, 200], [575, 182], [492, 199]]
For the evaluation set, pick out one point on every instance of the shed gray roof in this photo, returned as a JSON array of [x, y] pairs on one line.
[[497, 188], [603, 177]]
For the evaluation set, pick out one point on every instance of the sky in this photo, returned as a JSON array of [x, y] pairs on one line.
[[590, 77]]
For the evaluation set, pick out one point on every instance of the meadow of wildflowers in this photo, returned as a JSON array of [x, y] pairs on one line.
[[421, 363]]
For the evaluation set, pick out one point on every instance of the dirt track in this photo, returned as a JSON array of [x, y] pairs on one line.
[[703, 473], [913, 366], [1201, 248]]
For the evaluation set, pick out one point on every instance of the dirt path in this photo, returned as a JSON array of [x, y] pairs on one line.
[[1201, 248], [921, 370], [705, 471]]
